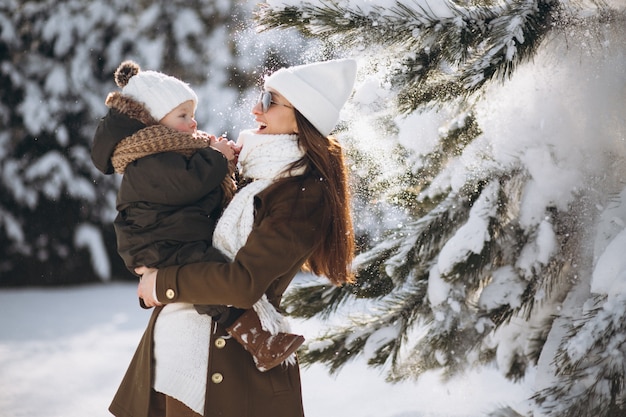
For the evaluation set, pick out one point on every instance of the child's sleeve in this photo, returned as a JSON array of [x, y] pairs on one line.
[[173, 179]]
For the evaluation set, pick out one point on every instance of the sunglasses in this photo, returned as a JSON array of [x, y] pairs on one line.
[[266, 101]]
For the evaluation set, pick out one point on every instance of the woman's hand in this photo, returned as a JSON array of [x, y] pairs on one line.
[[146, 289]]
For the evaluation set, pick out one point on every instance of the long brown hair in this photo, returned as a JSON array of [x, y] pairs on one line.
[[324, 156]]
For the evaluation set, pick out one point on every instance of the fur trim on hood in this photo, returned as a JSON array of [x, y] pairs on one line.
[[125, 117], [130, 107]]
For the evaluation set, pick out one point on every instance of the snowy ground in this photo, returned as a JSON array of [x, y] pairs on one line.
[[63, 352]]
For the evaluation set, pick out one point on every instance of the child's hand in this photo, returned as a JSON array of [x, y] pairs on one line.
[[225, 146]]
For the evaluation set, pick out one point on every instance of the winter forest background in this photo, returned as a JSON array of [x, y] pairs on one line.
[[486, 141]]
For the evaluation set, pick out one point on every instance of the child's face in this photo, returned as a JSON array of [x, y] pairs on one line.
[[181, 118]]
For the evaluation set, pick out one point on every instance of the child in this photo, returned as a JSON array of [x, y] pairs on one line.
[[176, 182]]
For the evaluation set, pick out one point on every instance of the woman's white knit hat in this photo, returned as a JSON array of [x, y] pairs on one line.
[[318, 90], [160, 93]]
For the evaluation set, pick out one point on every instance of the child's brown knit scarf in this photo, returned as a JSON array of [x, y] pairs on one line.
[[156, 139]]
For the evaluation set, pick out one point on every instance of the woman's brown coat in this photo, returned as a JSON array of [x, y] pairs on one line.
[[286, 230]]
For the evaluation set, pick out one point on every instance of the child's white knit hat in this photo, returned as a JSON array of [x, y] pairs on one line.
[[318, 90], [160, 93]]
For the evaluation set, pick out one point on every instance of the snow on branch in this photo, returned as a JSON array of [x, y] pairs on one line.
[[453, 50], [592, 368]]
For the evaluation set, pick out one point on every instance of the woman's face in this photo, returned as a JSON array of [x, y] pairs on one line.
[[279, 117]]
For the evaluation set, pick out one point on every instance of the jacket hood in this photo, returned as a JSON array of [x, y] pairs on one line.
[[124, 118]]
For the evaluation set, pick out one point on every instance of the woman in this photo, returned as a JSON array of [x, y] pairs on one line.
[[292, 213]]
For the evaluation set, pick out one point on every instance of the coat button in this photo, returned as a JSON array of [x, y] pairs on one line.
[[217, 378], [170, 294], [220, 343]]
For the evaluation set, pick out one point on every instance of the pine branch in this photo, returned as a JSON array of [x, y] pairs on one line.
[[449, 57], [324, 299], [406, 263], [421, 243], [489, 45], [403, 260], [504, 412], [591, 365], [463, 130], [323, 20], [379, 335], [321, 299], [406, 191], [455, 332]]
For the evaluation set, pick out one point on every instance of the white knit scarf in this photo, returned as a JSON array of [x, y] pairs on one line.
[[263, 159], [181, 335]]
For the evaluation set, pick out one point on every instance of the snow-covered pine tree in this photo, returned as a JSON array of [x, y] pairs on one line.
[[57, 60], [493, 261]]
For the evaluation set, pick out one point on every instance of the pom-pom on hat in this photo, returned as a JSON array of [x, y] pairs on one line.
[[318, 90], [160, 93]]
